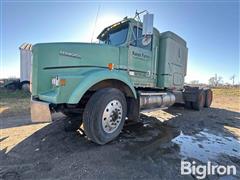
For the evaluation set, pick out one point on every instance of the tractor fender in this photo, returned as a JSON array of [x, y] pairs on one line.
[[91, 78]]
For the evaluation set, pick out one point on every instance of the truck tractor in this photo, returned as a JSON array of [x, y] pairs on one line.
[[99, 86]]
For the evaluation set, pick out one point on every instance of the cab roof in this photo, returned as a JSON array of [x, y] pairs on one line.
[[125, 20]]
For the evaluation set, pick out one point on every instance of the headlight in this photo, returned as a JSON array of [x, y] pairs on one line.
[[58, 81]]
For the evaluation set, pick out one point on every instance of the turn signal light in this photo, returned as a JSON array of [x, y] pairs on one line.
[[62, 82], [110, 66]]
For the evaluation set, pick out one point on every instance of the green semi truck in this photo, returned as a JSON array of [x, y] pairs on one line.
[[134, 68]]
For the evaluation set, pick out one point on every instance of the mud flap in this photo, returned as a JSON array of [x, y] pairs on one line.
[[40, 111]]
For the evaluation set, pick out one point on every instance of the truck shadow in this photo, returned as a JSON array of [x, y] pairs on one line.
[[147, 147]]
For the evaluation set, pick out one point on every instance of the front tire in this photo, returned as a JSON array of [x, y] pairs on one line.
[[104, 115]]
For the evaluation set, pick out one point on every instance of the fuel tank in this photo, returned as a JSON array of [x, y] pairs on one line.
[[155, 100]]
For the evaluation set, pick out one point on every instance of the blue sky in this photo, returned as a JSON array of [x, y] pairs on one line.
[[211, 29]]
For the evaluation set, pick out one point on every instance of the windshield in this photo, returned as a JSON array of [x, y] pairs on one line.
[[117, 36]]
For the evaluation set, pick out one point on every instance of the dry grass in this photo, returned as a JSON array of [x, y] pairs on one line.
[[226, 98], [14, 103], [234, 92]]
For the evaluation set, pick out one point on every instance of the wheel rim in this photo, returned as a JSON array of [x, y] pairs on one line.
[[112, 116]]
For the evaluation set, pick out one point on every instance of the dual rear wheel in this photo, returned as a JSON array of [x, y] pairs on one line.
[[203, 99]]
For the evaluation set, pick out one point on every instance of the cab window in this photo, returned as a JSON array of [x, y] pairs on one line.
[[137, 39], [116, 36]]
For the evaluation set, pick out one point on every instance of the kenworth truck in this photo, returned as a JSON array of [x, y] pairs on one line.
[[134, 68]]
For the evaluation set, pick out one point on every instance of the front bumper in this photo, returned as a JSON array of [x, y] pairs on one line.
[[40, 111]]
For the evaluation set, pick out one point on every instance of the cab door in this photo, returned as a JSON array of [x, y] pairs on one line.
[[140, 59]]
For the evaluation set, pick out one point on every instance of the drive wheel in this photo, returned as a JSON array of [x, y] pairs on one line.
[[104, 115], [208, 98], [188, 104], [200, 100]]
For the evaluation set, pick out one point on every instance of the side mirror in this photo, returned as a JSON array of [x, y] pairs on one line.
[[147, 24]]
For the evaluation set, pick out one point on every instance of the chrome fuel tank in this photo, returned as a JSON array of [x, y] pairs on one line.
[[154, 100]]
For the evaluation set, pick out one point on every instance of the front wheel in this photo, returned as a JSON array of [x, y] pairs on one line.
[[104, 115]]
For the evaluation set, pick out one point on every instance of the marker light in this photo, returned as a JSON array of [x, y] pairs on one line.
[[62, 82], [110, 66]]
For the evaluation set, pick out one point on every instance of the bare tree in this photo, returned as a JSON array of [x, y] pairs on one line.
[[211, 81], [215, 81], [233, 79]]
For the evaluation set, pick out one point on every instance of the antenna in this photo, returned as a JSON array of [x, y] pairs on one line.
[[95, 22]]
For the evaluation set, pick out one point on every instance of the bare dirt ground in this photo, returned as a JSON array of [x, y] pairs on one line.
[[150, 149]]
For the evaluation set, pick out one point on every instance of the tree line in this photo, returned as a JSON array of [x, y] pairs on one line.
[[217, 81]]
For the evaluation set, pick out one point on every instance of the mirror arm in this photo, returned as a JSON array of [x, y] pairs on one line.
[[138, 13]]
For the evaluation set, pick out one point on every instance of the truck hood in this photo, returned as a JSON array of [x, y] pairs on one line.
[[50, 55], [52, 59]]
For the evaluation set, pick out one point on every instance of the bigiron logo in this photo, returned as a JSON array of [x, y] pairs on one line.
[[201, 171]]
